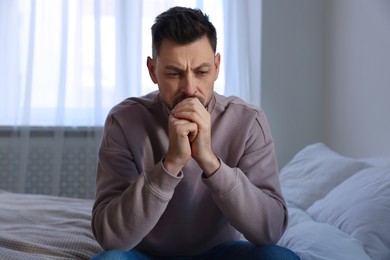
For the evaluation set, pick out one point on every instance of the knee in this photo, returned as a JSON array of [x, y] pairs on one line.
[[274, 252], [112, 254]]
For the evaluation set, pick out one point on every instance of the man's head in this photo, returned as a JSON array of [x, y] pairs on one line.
[[184, 62], [182, 25]]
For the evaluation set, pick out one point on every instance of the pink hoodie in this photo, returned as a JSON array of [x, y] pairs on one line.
[[139, 204]]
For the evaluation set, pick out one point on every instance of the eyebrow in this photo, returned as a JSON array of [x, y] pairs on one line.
[[203, 65]]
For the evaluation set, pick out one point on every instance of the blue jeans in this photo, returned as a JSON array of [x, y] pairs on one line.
[[232, 250]]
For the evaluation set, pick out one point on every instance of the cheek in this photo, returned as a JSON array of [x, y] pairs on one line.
[[167, 91], [207, 88]]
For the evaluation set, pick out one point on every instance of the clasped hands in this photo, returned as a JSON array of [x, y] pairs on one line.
[[190, 136]]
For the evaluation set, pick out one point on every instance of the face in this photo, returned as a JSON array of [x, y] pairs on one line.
[[183, 71]]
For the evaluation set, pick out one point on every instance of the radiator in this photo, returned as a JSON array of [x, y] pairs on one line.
[[51, 161]]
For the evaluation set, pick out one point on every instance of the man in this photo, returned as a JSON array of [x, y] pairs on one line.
[[184, 171]]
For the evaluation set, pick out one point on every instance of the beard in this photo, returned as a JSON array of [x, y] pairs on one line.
[[183, 96]]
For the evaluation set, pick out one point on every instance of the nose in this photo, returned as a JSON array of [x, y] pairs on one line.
[[188, 84]]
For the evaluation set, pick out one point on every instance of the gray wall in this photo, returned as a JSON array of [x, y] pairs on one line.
[[358, 79], [293, 43], [326, 75]]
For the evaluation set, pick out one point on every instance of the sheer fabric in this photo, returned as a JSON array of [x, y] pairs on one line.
[[65, 63]]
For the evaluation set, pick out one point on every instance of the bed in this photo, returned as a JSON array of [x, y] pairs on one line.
[[339, 208]]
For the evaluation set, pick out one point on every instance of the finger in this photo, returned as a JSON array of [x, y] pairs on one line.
[[192, 111], [188, 104], [184, 128], [193, 132]]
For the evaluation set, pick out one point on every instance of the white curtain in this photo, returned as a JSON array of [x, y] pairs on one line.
[[65, 63], [242, 21]]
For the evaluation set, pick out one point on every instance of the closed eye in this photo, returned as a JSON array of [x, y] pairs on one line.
[[173, 74], [202, 72]]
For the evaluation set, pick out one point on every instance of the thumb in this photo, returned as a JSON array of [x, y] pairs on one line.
[[193, 132]]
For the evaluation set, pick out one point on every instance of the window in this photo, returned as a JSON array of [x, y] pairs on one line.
[[67, 61]]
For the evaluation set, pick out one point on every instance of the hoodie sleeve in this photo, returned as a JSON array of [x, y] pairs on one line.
[[128, 202], [249, 194]]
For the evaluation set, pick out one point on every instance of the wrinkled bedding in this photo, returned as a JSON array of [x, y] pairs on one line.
[[45, 227]]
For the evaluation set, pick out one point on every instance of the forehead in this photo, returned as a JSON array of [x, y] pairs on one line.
[[198, 51]]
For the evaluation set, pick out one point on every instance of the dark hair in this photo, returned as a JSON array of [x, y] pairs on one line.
[[182, 25]]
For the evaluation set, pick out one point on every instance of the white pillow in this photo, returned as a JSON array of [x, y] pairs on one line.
[[379, 161], [296, 216], [360, 206], [313, 172], [317, 241]]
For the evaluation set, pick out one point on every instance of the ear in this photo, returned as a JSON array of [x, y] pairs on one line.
[[150, 63], [217, 63]]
